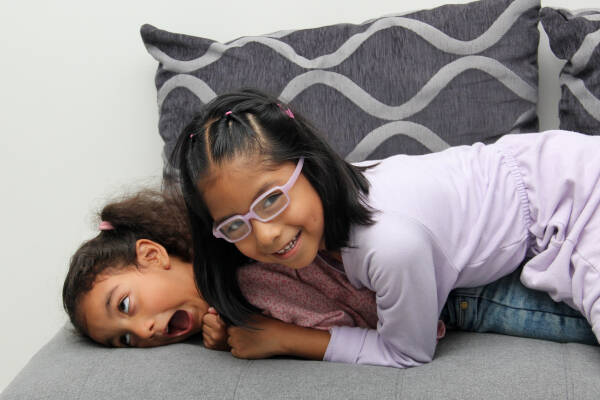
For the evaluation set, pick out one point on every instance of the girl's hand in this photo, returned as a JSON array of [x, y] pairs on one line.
[[214, 331], [271, 337], [260, 341]]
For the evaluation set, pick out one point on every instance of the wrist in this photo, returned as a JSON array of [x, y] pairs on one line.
[[289, 336], [303, 342]]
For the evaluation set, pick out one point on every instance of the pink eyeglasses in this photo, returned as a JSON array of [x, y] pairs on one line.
[[266, 207]]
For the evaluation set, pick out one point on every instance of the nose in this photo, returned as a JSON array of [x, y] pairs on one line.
[[144, 329], [266, 232]]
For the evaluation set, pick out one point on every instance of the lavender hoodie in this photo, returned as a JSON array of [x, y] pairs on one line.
[[465, 217]]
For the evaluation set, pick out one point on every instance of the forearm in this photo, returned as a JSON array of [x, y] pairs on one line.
[[304, 342], [267, 337]]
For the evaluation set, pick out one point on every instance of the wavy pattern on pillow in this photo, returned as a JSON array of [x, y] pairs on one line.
[[414, 83], [575, 37], [427, 32]]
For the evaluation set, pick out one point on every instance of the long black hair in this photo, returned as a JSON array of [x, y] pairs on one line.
[[249, 122]]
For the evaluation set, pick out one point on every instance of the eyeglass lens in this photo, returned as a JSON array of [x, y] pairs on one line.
[[267, 207]]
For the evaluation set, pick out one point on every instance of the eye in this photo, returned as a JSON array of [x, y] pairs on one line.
[[272, 199], [124, 305], [234, 226], [125, 339]]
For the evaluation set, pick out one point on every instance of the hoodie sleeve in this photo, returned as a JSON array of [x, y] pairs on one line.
[[396, 259]]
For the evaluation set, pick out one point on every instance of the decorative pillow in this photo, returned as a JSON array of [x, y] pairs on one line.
[[575, 38], [411, 84]]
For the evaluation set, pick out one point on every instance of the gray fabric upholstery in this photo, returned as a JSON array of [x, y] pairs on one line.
[[391, 85], [575, 38], [466, 366]]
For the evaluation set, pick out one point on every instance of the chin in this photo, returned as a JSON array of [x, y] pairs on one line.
[[183, 338], [301, 263]]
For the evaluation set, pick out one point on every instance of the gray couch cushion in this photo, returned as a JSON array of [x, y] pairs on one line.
[[412, 84], [466, 366], [575, 38]]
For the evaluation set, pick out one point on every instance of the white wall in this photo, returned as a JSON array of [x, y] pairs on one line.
[[78, 123]]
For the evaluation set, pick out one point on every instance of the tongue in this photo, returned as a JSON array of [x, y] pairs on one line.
[[179, 321]]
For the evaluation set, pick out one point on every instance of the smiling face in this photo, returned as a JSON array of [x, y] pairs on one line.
[[153, 304], [293, 237]]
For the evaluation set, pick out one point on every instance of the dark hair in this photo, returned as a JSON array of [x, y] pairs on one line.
[[250, 122], [148, 214]]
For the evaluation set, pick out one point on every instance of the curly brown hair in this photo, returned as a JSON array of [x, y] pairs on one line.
[[149, 214]]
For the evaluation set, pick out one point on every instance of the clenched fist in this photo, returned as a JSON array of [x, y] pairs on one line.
[[214, 331]]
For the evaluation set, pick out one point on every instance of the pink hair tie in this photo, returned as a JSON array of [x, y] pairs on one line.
[[106, 226], [287, 111], [228, 113]]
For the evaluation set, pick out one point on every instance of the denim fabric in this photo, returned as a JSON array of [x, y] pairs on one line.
[[509, 308]]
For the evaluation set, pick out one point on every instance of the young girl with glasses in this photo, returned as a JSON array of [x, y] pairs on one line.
[[260, 184]]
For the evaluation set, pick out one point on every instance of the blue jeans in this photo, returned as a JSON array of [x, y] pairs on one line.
[[509, 308]]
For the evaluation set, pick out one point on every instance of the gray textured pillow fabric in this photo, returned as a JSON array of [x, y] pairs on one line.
[[412, 84], [575, 38]]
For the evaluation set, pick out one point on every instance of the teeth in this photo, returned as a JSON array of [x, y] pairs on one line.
[[289, 246], [168, 329]]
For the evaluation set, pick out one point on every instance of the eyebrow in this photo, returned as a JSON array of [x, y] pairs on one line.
[[109, 298], [109, 311]]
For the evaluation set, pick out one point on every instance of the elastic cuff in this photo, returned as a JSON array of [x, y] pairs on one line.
[[345, 344]]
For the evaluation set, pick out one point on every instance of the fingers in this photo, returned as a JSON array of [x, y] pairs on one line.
[[213, 321], [214, 344], [233, 341], [231, 330], [208, 341], [235, 353], [235, 350], [214, 331]]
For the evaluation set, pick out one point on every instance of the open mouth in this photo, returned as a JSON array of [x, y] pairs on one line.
[[179, 324], [290, 246]]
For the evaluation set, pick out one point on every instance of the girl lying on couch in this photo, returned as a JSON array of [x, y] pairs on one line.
[[133, 285], [261, 184]]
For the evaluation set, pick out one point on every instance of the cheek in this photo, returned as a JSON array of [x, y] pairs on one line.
[[159, 293], [314, 213], [246, 247], [309, 209], [158, 298]]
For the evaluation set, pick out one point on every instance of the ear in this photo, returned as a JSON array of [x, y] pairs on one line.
[[151, 254]]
